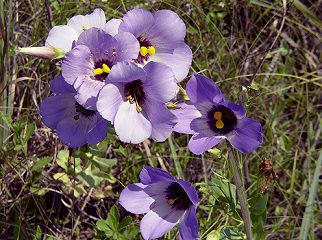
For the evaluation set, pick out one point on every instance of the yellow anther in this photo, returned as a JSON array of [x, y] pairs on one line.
[[143, 51], [98, 71], [218, 115], [85, 27], [151, 50], [219, 124], [106, 68]]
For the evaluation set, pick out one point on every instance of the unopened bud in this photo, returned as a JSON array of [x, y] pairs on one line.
[[46, 52]]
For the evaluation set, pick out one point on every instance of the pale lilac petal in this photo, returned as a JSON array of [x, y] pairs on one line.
[[198, 144], [161, 84], [190, 190], [62, 37], [126, 72], [55, 108], [109, 100], [137, 21], [188, 227], [59, 86], [159, 221], [112, 26], [128, 47], [248, 135], [95, 19], [179, 60], [185, 114], [96, 133], [168, 30], [131, 126], [135, 200], [101, 45], [87, 93], [161, 118], [149, 175], [77, 64], [200, 89]]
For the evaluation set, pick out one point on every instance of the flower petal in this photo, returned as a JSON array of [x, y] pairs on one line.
[[237, 109], [131, 126], [100, 44], [87, 93], [109, 100], [112, 26], [55, 108], [200, 125], [77, 65], [160, 84], [185, 114], [161, 118], [62, 37], [168, 30], [128, 47], [72, 132], [95, 19], [179, 60], [248, 135], [59, 86], [200, 88], [159, 221], [190, 190], [150, 175], [198, 144], [125, 72], [135, 200], [97, 133], [137, 21], [188, 228]]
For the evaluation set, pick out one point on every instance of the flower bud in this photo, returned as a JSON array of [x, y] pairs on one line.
[[46, 52]]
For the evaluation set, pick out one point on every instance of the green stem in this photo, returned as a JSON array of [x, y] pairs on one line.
[[241, 194]]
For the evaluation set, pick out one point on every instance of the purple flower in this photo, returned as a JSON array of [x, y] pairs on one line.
[[75, 125], [63, 36], [161, 35], [211, 118], [167, 202], [89, 63], [134, 101]]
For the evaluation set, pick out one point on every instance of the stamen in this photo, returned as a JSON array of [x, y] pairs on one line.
[[143, 51], [98, 71], [151, 50], [105, 68], [217, 115], [219, 124]]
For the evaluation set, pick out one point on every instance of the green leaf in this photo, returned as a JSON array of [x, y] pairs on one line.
[[125, 222], [104, 164], [113, 218], [41, 163], [38, 233], [35, 189], [258, 204]]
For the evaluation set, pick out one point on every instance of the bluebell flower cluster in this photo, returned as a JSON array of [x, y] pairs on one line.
[[123, 73]]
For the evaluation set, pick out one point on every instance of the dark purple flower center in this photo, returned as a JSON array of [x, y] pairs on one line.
[[81, 111], [177, 197], [101, 69], [134, 93], [222, 119]]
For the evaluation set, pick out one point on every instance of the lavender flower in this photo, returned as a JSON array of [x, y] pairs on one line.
[[89, 63], [134, 101], [63, 36], [167, 202], [75, 125], [211, 118], [161, 35]]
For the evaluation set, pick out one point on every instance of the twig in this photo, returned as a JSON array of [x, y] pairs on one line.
[[161, 162], [148, 152], [241, 194], [82, 209]]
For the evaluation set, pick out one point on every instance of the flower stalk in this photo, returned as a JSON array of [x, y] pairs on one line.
[[242, 197]]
